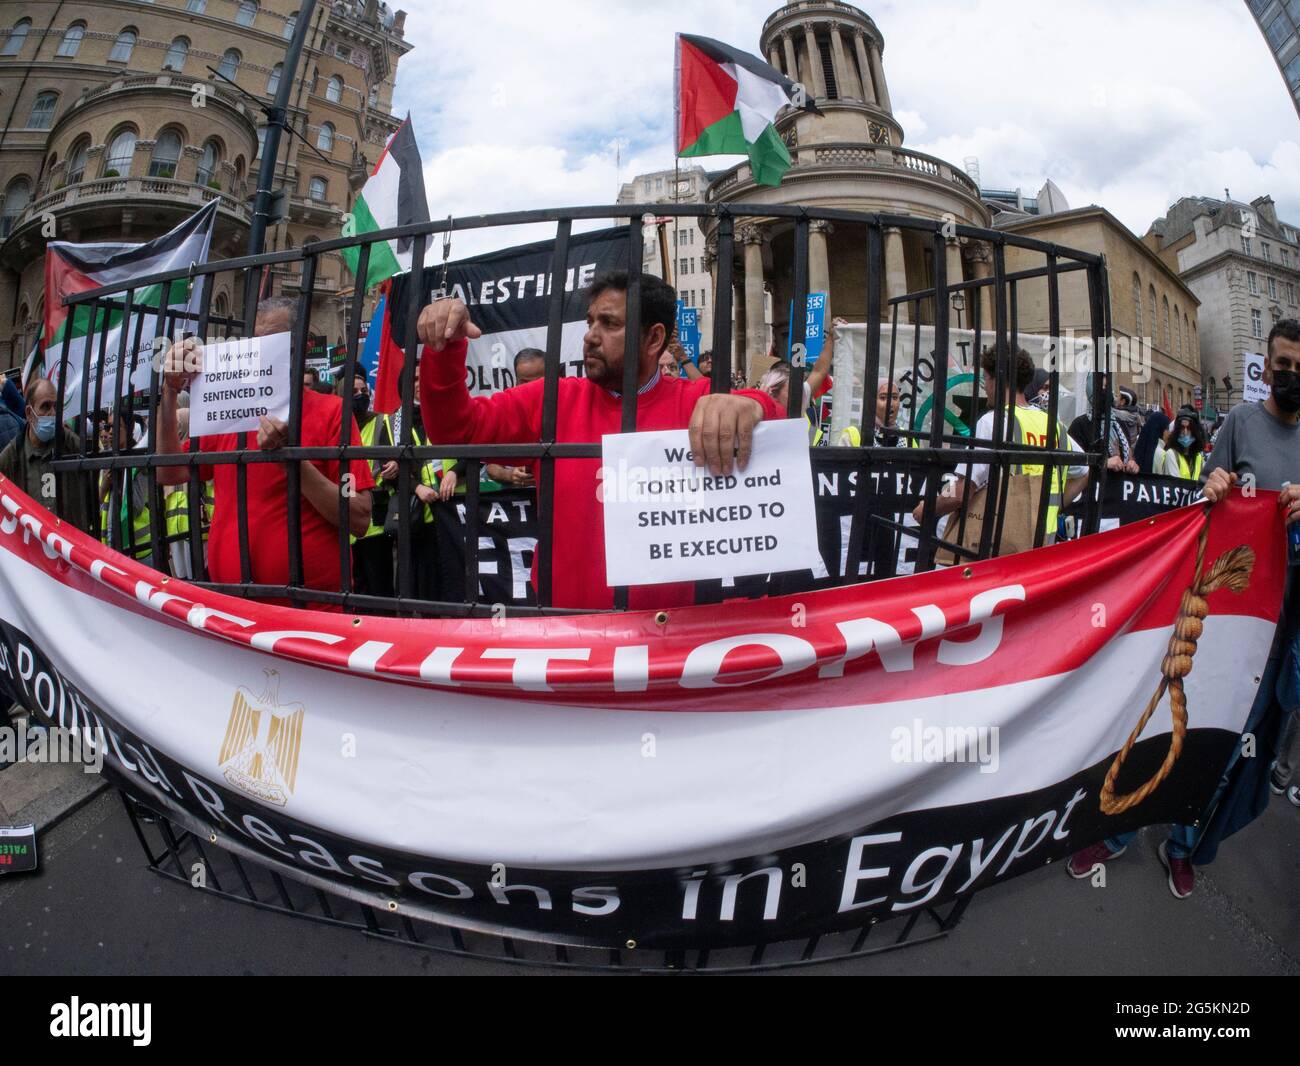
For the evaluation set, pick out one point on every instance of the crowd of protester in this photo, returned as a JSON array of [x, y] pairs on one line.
[[1257, 442]]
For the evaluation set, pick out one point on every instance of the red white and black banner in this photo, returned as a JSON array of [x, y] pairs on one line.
[[735, 773]]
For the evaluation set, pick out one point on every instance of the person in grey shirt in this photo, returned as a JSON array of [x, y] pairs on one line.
[[1258, 448]]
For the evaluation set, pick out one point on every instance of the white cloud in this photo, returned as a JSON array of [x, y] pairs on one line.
[[1124, 104]]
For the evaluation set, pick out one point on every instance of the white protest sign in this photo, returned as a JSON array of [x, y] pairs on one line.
[[1253, 389], [667, 519], [240, 381]]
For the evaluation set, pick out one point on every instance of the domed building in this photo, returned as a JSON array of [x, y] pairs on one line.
[[850, 157]]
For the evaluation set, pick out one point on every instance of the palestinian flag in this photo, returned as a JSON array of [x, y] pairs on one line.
[[74, 268], [392, 196], [727, 102]]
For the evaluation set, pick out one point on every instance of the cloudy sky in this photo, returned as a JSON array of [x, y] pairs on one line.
[[1122, 103]]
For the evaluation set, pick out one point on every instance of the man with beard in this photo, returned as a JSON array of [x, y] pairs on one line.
[[721, 426]]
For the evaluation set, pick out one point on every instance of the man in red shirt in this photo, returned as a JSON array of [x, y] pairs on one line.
[[721, 426], [268, 526]]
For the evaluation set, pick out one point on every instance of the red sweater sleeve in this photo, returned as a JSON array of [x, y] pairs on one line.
[[452, 416], [771, 409]]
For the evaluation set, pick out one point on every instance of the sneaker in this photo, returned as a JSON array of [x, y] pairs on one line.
[[1274, 787], [1082, 863], [1182, 878], [1293, 794]]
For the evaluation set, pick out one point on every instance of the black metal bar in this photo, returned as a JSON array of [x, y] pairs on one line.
[[875, 279], [471, 530], [1054, 381], [293, 470], [722, 304], [196, 488], [550, 400], [998, 399], [405, 567], [345, 425], [631, 350], [798, 321], [939, 394]]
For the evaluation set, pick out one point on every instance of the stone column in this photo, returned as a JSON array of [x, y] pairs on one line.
[[791, 64], [817, 81], [982, 259], [895, 275], [864, 65], [755, 333], [819, 263], [952, 251], [774, 57], [848, 84], [878, 76]]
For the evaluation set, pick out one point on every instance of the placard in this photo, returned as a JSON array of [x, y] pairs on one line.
[[668, 520], [17, 849], [1253, 389], [241, 381]]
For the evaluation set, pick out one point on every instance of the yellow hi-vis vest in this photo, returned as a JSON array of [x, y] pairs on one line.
[[176, 510], [139, 526], [1190, 471], [428, 470], [1031, 428]]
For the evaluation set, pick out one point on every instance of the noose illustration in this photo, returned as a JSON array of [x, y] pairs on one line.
[[1230, 570]]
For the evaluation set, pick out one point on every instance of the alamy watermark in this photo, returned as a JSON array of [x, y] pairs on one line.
[[34, 744], [921, 743]]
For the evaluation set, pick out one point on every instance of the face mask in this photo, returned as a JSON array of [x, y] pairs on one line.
[[45, 425], [360, 403], [1185, 440], [1286, 390]]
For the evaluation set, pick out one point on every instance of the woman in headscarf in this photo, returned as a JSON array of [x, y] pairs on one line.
[[1149, 450], [1185, 453]]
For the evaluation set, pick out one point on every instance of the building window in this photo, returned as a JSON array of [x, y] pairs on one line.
[[121, 150], [325, 139], [176, 53], [1286, 258], [17, 38], [246, 13], [15, 202], [1245, 245], [123, 47], [208, 163], [196, 6], [1168, 335], [1266, 251], [77, 161], [1252, 283], [71, 40], [1290, 293], [334, 89], [317, 189], [704, 294], [1187, 337], [290, 24], [229, 65], [273, 82], [261, 140], [1257, 324], [343, 52], [166, 154], [1272, 288], [42, 116], [1137, 305], [1178, 333]]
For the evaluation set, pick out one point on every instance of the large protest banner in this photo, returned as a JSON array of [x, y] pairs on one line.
[[508, 296], [1130, 498], [899, 744]]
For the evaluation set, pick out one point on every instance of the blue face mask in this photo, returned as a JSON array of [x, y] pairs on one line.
[[45, 426], [1186, 440]]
